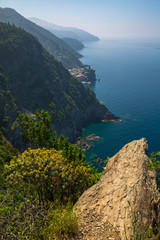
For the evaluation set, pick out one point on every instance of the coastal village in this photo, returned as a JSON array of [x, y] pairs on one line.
[[86, 75]]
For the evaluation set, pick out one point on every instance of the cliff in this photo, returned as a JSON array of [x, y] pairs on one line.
[[31, 79], [124, 201]]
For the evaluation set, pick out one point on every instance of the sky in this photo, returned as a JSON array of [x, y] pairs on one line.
[[103, 18]]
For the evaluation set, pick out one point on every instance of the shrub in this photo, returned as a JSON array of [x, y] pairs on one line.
[[50, 175], [37, 130], [20, 217], [155, 163], [6, 150], [61, 222], [6, 154]]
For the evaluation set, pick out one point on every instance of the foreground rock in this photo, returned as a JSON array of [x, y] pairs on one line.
[[106, 210]]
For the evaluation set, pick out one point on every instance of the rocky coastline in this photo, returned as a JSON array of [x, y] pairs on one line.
[[86, 142]]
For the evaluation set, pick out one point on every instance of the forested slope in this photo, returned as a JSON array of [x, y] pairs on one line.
[[54, 45], [31, 79]]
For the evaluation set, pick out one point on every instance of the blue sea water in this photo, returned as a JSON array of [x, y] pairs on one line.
[[130, 87]]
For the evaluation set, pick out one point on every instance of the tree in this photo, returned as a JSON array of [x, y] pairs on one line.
[[37, 129]]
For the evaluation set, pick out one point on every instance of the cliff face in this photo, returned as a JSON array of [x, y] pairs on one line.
[[126, 190], [31, 79]]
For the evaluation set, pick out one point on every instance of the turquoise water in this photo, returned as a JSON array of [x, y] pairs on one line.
[[130, 88]]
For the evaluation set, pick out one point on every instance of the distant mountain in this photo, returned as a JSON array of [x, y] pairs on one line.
[[54, 45], [74, 43], [65, 32], [31, 79]]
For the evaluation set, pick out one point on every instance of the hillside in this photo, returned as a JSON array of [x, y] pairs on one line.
[[74, 43], [65, 32], [54, 45], [31, 79]]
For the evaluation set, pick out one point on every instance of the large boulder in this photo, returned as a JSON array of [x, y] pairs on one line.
[[124, 200]]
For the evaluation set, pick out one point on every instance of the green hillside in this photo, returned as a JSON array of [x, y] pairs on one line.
[[54, 45], [31, 79], [74, 43]]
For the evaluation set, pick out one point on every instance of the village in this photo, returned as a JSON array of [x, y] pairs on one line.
[[85, 75]]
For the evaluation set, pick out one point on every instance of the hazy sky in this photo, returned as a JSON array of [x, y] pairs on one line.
[[104, 18]]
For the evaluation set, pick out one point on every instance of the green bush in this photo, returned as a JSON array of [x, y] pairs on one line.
[[155, 163], [37, 129], [6, 150], [50, 175], [6, 154]]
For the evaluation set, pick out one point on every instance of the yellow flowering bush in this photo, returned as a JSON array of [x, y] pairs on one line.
[[50, 175]]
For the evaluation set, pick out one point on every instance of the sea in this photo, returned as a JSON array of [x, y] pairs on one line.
[[129, 73]]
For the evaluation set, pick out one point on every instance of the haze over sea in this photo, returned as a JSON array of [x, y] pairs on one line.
[[130, 87]]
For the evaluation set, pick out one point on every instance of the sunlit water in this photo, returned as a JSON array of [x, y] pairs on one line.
[[130, 88]]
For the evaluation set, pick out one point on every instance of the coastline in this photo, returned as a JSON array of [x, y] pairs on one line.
[[108, 116], [118, 120], [85, 75]]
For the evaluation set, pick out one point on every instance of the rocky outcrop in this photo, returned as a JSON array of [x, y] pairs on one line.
[[126, 194]]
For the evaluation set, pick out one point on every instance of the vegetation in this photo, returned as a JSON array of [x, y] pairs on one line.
[[41, 185], [59, 174], [155, 163], [6, 150], [6, 154], [54, 45], [74, 43], [21, 216], [51, 176], [37, 130], [61, 222], [31, 79]]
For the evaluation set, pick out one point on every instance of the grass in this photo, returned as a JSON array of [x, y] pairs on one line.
[[61, 222]]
